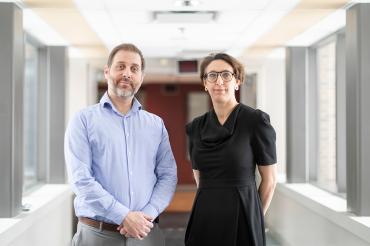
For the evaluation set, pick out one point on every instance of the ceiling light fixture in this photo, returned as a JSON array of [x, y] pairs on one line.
[[184, 16]]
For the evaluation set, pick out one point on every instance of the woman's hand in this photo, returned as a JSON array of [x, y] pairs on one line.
[[266, 189]]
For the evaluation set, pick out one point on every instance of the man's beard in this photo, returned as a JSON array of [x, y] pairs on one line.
[[123, 93]]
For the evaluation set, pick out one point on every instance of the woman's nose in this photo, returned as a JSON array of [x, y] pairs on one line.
[[219, 80]]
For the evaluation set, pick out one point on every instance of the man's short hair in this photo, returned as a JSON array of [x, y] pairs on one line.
[[126, 47]]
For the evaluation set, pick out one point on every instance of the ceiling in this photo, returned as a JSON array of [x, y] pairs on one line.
[[177, 29]]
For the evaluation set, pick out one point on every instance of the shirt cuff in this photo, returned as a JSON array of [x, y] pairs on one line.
[[150, 210], [117, 213]]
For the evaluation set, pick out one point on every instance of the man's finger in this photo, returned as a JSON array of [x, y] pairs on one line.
[[142, 235], [149, 224], [148, 217], [147, 230]]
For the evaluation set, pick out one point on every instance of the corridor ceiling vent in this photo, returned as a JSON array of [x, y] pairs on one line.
[[184, 16]]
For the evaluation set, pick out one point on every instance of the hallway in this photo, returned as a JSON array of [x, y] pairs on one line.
[[173, 225], [307, 67]]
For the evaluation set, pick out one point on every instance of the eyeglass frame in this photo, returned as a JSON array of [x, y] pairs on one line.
[[205, 76]]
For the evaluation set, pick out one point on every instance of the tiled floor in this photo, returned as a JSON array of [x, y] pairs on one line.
[[173, 226]]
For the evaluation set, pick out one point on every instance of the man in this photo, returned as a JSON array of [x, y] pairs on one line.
[[119, 160]]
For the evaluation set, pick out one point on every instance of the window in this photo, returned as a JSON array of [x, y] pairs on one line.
[[250, 90], [326, 115], [197, 104], [30, 116]]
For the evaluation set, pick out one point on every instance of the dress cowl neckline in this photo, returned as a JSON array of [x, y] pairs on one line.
[[213, 133]]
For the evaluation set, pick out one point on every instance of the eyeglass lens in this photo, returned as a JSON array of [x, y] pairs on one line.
[[225, 75]]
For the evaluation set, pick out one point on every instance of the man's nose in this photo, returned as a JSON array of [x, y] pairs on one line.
[[126, 73]]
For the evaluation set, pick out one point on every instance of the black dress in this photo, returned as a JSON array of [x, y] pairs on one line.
[[227, 208]]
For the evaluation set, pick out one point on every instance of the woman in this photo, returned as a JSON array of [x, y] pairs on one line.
[[226, 145]]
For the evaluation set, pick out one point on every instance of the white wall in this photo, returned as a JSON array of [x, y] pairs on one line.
[[294, 218], [49, 221], [82, 85], [77, 89]]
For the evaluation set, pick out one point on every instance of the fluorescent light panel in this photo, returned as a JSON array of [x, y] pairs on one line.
[[184, 17]]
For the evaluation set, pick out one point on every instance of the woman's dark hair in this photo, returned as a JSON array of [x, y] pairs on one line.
[[234, 63]]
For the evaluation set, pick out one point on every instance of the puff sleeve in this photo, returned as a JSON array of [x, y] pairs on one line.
[[264, 140]]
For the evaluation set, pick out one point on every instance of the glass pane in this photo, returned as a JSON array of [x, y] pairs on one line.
[[30, 116], [326, 173], [250, 90]]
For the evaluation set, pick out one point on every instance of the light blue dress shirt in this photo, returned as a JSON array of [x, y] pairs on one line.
[[119, 163]]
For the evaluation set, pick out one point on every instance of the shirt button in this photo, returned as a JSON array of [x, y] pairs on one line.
[[131, 173], [132, 192]]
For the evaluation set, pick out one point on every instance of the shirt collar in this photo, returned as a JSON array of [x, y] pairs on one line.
[[106, 102]]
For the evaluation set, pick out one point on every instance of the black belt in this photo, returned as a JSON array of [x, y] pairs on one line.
[[226, 183]]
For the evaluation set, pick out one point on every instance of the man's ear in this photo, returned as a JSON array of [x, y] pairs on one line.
[[106, 72]]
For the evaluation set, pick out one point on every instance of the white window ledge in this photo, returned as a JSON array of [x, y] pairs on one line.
[[329, 206], [42, 201]]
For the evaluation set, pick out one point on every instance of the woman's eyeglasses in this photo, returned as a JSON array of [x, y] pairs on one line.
[[212, 77]]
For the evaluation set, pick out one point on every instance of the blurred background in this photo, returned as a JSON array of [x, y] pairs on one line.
[[308, 67]]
